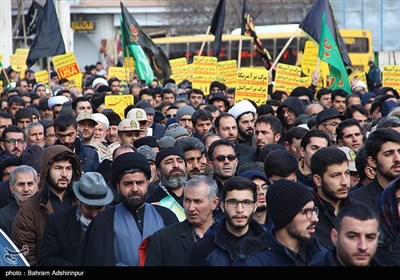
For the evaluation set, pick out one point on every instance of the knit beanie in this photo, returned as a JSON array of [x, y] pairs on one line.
[[285, 199], [146, 106], [175, 130], [33, 156], [168, 152], [34, 111], [150, 141], [147, 152], [184, 110], [128, 161], [23, 114], [166, 141]]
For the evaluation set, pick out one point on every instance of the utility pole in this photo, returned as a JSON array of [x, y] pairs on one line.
[[6, 42]]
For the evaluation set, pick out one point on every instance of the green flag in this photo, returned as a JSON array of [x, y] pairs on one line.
[[131, 47], [329, 52]]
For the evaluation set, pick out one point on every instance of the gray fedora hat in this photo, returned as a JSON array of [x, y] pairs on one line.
[[92, 190]]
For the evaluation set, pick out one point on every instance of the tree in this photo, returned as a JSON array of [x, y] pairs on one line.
[[195, 16]]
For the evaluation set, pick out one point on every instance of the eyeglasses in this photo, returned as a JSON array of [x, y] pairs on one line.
[[309, 212], [13, 141], [171, 116], [234, 203], [331, 124], [263, 187], [222, 158]]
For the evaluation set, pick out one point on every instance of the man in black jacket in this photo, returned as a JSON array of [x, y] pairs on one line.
[[64, 229], [113, 238]]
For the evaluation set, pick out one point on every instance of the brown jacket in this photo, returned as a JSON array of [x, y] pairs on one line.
[[28, 228]]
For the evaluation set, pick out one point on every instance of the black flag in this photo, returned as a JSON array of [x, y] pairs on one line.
[[249, 30], [159, 62], [217, 26], [48, 41], [31, 19], [311, 24]]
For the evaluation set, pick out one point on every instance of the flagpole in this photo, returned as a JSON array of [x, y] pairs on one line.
[[48, 72], [317, 72], [204, 41], [283, 50], [240, 53], [5, 75], [129, 64]]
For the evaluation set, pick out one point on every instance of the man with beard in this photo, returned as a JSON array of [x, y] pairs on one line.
[[331, 177], [355, 236], [171, 166], [114, 236], [291, 241], [268, 130], [195, 155], [227, 128], [65, 229], [262, 183], [223, 241], [13, 141], [244, 113], [383, 154], [60, 168], [66, 130]]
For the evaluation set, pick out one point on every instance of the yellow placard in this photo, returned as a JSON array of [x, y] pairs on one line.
[[359, 75], [227, 72], [118, 72], [252, 84], [76, 81], [18, 60], [42, 77], [204, 72], [128, 63], [118, 103], [180, 69], [309, 60], [177, 62], [391, 76], [67, 68], [286, 78]]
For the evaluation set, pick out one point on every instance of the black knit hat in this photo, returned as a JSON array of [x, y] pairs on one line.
[[168, 152], [128, 161], [285, 199], [33, 156], [23, 114], [150, 141]]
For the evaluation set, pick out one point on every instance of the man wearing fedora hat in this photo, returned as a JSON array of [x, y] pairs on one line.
[[64, 229], [328, 120], [113, 238]]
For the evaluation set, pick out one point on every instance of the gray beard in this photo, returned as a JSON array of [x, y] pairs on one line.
[[174, 181]]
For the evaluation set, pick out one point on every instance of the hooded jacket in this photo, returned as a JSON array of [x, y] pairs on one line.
[[28, 228]]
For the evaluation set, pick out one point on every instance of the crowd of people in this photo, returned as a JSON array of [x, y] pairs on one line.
[[192, 178]]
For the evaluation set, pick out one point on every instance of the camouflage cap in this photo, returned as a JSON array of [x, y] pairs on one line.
[[137, 114], [129, 125], [85, 116]]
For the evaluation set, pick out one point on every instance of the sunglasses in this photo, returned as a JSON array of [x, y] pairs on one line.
[[222, 158]]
